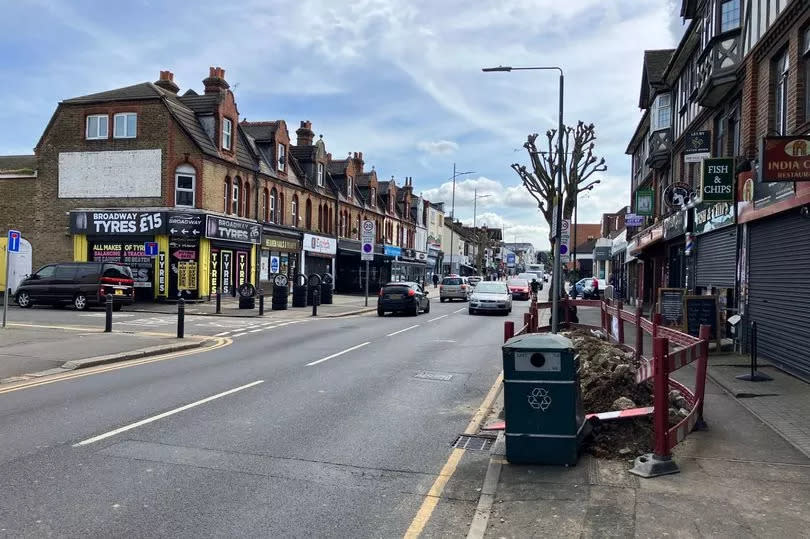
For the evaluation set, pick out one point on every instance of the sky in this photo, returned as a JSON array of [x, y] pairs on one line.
[[399, 80]]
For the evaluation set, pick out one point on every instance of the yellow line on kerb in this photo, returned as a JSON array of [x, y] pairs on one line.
[[434, 494], [220, 342]]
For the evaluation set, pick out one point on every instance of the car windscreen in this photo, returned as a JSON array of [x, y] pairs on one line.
[[488, 287], [117, 271], [518, 282], [451, 281]]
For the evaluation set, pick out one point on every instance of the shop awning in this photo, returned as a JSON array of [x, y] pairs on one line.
[[411, 262], [645, 239]]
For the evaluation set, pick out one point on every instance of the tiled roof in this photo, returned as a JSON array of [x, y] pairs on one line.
[[260, 130], [15, 163], [143, 90], [655, 62], [337, 166], [201, 103]]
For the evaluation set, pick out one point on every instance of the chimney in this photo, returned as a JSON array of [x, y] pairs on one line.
[[166, 81], [305, 134], [357, 157], [215, 83]]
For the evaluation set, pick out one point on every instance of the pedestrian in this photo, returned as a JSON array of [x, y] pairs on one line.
[[535, 287], [435, 280], [595, 288]]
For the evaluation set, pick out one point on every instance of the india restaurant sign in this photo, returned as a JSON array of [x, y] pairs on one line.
[[785, 159]]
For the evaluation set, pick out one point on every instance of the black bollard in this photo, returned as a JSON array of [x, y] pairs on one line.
[[261, 302], [108, 304], [181, 318], [316, 299], [219, 301]]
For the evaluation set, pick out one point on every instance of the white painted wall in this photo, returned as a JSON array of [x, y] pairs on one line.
[[116, 174]]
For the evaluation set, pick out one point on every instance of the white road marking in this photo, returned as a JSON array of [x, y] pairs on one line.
[[402, 330], [458, 311], [437, 318], [239, 334], [164, 414], [222, 334], [338, 354], [255, 330]]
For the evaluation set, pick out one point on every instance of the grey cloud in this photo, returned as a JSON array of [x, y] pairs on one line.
[[438, 147]]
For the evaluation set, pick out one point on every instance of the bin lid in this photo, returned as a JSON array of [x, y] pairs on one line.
[[539, 341]]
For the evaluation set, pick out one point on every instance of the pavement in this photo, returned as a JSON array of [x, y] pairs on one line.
[[338, 427], [739, 478]]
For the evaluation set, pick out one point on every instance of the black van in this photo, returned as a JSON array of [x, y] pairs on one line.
[[78, 283]]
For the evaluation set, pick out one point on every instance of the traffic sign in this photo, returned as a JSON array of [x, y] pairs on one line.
[[13, 245], [565, 240], [150, 248], [368, 233]]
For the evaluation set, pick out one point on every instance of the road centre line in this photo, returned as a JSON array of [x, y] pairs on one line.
[[458, 311], [402, 330], [257, 330], [164, 414], [239, 334], [437, 318], [222, 334], [338, 354]]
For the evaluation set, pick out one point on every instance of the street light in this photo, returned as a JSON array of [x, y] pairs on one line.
[[556, 276], [479, 257], [453, 211]]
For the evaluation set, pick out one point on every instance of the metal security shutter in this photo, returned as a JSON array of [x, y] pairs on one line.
[[717, 258], [778, 301]]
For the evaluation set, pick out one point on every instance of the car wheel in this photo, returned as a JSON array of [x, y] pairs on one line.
[[80, 302], [427, 307], [23, 299], [415, 310], [441, 300], [380, 312], [471, 311]]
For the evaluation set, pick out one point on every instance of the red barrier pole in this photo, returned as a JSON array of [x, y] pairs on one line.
[[702, 364], [656, 319], [508, 330], [527, 321], [661, 397], [639, 335], [619, 306], [567, 308]]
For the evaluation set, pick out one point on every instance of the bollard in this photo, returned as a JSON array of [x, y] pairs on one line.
[[661, 397], [261, 302], [566, 305], [639, 335], [181, 318], [219, 300], [527, 322], [619, 308], [705, 335], [508, 330], [108, 305], [656, 322], [316, 297]]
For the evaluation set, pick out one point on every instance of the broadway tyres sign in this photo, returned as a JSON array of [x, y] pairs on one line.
[[785, 159], [117, 222], [220, 228]]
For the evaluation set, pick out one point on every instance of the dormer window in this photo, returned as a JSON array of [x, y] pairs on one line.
[[282, 157], [319, 175], [125, 125], [97, 125], [227, 133], [661, 112], [349, 186], [374, 196]]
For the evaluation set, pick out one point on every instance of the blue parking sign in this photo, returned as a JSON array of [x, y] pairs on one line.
[[150, 248], [14, 241]]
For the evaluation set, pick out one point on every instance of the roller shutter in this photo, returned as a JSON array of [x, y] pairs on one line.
[[717, 258], [778, 276]]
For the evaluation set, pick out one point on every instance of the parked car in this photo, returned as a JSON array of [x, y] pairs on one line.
[[529, 276], [584, 289], [491, 296], [474, 280], [81, 284], [403, 297], [519, 288], [454, 287]]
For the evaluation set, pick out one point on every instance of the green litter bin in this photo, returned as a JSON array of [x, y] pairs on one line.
[[545, 421]]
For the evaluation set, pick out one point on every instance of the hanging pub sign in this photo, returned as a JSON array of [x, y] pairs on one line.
[[117, 222], [645, 202], [785, 159], [717, 180], [677, 195], [698, 147], [222, 228]]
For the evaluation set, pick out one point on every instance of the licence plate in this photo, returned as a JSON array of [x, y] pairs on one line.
[[119, 292], [394, 296]]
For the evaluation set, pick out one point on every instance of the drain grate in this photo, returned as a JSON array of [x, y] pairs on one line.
[[429, 375], [474, 442]]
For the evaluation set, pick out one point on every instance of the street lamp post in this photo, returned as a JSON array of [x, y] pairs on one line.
[[453, 212], [476, 196], [556, 276]]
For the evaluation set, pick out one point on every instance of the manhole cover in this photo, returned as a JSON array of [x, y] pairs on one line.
[[428, 375], [474, 442]]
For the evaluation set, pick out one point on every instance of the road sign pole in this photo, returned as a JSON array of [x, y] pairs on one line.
[[366, 283], [6, 285]]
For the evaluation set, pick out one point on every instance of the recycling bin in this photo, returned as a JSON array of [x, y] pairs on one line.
[[247, 296], [280, 292], [545, 420], [326, 289], [299, 295]]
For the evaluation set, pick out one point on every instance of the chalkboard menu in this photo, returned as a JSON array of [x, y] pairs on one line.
[[670, 305], [701, 310]]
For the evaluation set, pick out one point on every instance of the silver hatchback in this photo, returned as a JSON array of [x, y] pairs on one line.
[[491, 296], [454, 287]]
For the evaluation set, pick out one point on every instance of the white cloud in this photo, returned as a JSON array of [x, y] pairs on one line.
[[490, 193], [439, 147]]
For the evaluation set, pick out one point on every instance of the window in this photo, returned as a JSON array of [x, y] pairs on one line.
[[227, 132], [662, 112], [720, 136], [280, 209], [273, 196], [65, 272], [729, 15], [46, 272], [320, 218], [246, 199], [282, 157], [319, 177], [780, 94], [184, 183], [265, 202], [374, 196], [349, 186], [235, 197], [97, 126], [357, 227], [308, 214], [125, 125], [227, 196], [294, 210], [734, 131]]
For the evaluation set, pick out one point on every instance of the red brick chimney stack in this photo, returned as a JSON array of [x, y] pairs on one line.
[[166, 81], [305, 134], [215, 82]]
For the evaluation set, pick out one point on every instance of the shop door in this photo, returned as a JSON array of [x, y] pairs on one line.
[[677, 266], [779, 257]]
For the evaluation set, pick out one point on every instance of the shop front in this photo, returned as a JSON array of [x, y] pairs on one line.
[[280, 254], [351, 269], [649, 249], [410, 265], [434, 255], [675, 270], [318, 254], [231, 246]]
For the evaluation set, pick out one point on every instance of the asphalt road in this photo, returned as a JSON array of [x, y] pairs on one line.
[[318, 428]]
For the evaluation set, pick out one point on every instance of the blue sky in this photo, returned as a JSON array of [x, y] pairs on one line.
[[399, 80]]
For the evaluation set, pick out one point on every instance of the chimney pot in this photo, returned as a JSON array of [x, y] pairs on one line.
[[166, 81]]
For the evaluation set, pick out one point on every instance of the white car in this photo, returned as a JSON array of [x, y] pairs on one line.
[[529, 276], [491, 296]]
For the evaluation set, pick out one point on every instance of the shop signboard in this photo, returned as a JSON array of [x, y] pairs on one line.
[[185, 224], [711, 216], [785, 159], [601, 253], [161, 271], [280, 243], [717, 180], [187, 275], [633, 219], [391, 250], [214, 271], [698, 147], [132, 254], [117, 222], [645, 202], [275, 264], [677, 195], [675, 225], [241, 268], [225, 273], [222, 228], [320, 244]]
